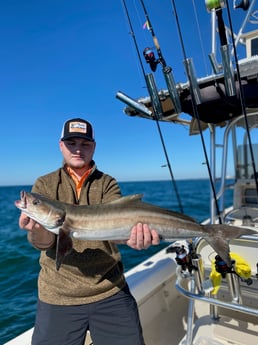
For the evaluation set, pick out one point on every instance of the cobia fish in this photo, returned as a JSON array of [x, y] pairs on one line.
[[114, 221]]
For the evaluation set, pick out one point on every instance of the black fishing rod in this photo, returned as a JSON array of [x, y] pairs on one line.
[[155, 40], [156, 104], [195, 100]]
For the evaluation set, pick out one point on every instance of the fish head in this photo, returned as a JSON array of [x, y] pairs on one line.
[[41, 209]]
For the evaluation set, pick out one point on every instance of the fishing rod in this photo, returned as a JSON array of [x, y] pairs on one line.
[[155, 40], [167, 70], [196, 100], [157, 109]]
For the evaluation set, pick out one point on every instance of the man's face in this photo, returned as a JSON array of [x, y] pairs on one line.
[[77, 152]]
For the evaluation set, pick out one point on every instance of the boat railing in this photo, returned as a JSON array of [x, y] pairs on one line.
[[236, 292], [201, 296], [195, 292]]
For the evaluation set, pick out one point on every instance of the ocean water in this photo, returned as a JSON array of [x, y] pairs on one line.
[[19, 261]]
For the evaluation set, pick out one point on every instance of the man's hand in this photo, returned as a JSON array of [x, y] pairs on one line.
[[27, 223], [38, 236], [142, 237]]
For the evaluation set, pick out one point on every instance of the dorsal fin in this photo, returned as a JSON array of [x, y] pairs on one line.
[[127, 198]]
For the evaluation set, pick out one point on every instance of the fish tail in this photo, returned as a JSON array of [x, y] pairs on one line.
[[220, 235]]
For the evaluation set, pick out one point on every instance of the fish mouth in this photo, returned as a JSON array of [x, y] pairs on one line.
[[22, 203]]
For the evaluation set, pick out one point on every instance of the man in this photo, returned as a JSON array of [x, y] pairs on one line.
[[89, 291]]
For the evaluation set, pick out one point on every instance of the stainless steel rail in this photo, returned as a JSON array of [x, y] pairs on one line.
[[213, 301]]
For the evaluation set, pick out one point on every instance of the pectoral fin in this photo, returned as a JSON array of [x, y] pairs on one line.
[[64, 247]]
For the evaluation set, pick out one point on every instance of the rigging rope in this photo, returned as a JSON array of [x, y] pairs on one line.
[[155, 115]]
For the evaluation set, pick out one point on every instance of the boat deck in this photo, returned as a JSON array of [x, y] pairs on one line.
[[230, 328]]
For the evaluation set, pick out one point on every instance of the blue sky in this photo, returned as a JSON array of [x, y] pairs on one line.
[[61, 59]]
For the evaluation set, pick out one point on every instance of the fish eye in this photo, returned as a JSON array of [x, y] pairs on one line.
[[59, 221]]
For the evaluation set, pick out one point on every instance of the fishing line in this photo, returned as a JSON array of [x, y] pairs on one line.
[[200, 37], [139, 19], [155, 115], [195, 110], [241, 96], [133, 37]]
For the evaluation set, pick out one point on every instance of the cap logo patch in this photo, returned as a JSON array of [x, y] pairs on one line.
[[77, 127]]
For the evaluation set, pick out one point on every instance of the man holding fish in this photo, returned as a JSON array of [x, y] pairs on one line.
[[88, 290]]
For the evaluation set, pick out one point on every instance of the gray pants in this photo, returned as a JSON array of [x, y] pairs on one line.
[[112, 321]]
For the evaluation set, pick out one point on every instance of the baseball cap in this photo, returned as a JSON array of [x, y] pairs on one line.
[[77, 128]]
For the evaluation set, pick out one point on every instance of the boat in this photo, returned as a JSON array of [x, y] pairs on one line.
[[186, 294]]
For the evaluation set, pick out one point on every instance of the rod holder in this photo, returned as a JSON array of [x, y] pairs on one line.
[[152, 88], [133, 104], [198, 273], [167, 71], [234, 287], [193, 81], [228, 71], [214, 311], [214, 64]]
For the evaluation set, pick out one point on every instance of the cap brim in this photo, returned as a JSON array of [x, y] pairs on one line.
[[77, 135]]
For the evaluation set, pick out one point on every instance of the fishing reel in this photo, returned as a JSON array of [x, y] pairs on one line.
[[184, 253], [150, 58], [221, 266], [223, 269]]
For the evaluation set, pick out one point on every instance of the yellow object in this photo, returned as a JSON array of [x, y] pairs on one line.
[[242, 268]]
